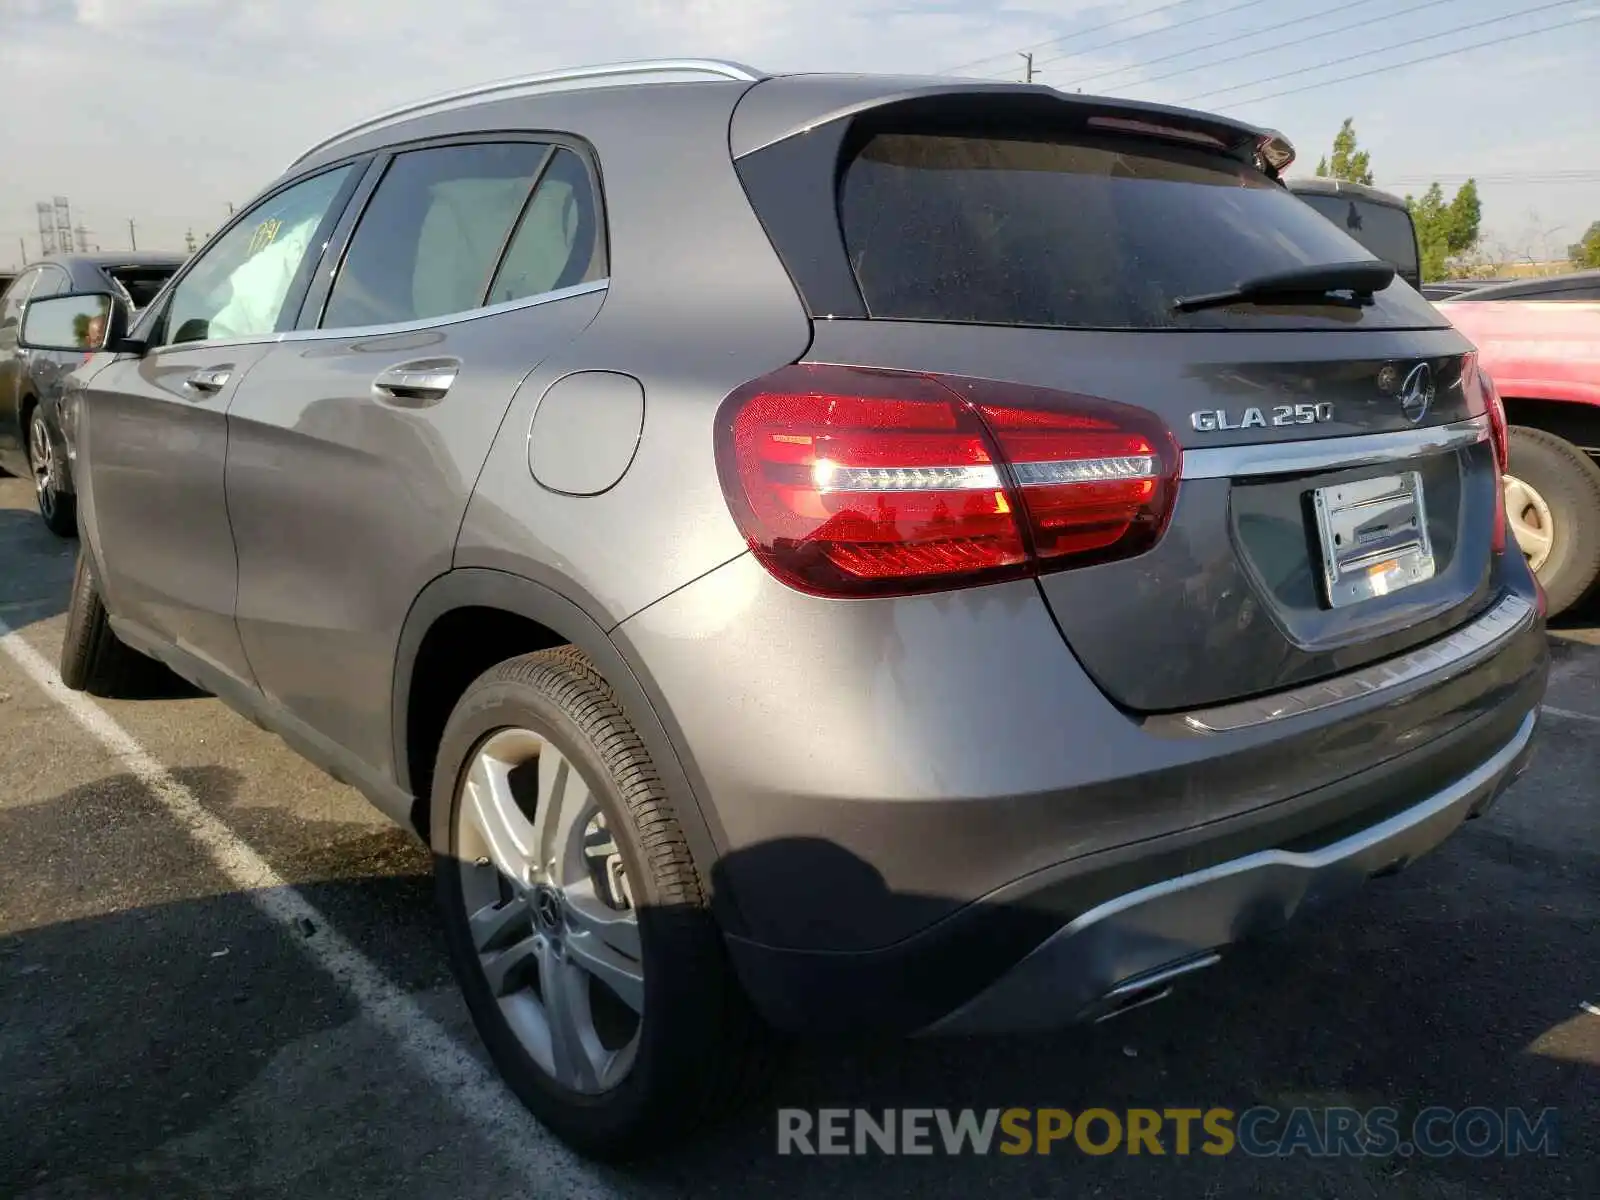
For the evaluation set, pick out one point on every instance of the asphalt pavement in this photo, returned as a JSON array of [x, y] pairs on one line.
[[220, 976]]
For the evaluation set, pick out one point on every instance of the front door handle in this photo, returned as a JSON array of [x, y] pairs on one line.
[[209, 379], [417, 382]]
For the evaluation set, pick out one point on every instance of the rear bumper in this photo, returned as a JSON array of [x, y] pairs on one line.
[[941, 791], [1128, 949]]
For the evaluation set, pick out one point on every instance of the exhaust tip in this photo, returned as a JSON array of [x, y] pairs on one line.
[[1146, 988]]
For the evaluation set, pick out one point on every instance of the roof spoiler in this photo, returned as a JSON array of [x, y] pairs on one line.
[[787, 106]]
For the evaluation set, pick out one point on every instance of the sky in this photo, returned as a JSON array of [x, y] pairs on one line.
[[163, 112]]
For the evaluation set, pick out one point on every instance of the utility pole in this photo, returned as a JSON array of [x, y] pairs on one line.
[[188, 241], [22, 247], [133, 241], [1027, 57]]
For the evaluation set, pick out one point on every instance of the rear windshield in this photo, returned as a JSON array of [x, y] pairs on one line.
[[1381, 228], [1086, 233], [142, 284]]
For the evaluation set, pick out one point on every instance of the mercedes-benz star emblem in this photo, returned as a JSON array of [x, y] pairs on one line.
[[1416, 393], [547, 908]]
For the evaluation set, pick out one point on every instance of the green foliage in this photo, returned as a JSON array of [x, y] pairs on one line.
[[1348, 163], [1586, 251], [1445, 229]]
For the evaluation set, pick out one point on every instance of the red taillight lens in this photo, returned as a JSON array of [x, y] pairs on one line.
[[1499, 437], [848, 481]]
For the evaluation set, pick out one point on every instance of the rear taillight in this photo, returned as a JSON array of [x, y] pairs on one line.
[[848, 481], [1499, 437]]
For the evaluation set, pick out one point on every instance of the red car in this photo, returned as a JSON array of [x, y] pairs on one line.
[[1540, 341]]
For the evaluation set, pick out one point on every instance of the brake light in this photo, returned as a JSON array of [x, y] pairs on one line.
[[850, 481], [1475, 376]]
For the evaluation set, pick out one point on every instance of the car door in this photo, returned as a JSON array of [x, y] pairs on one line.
[[13, 365], [356, 442], [152, 432]]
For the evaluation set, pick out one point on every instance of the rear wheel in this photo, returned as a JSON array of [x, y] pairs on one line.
[[576, 920], [93, 658], [58, 507], [1552, 492]]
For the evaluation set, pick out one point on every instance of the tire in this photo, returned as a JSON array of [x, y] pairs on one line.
[[695, 1048], [58, 509], [93, 659], [1566, 482]]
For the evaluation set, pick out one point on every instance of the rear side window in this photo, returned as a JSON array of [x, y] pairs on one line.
[[1082, 233], [11, 302], [454, 228], [557, 243], [1381, 228]]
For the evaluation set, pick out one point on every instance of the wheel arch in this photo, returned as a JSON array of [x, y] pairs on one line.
[[1575, 421], [471, 615]]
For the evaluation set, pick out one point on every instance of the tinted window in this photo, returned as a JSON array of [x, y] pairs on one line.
[[1381, 228], [15, 295], [431, 235], [558, 242], [53, 281], [142, 284], [1086, 233], [239, 283]]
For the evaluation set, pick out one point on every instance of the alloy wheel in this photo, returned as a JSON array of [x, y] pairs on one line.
[[550, 910], [42, 460], [1531, 521]]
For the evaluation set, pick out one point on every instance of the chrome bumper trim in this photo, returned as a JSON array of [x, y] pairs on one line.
[[1450, 654]]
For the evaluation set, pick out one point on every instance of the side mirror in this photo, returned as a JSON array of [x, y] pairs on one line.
[[80, 323]]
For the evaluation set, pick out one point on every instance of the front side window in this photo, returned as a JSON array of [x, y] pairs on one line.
[[238, 286], [427, 244]]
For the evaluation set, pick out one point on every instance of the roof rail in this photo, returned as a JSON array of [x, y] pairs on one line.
[[663, 70]]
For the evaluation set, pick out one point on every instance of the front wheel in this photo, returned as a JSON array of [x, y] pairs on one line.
[[58, 507], [576, 919], [1552, 493], [93, 658]]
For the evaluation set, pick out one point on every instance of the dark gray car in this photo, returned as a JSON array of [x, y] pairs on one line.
[[32, 441], [824, 553]]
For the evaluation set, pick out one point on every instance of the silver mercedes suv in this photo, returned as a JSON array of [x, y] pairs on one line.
[[814, 553]]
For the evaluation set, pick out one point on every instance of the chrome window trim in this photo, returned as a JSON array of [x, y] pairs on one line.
[[1447, 656], [1329, 454], [349, 331], [665, 70]]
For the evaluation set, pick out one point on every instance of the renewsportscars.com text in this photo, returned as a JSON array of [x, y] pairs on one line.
[[1264, 1132]]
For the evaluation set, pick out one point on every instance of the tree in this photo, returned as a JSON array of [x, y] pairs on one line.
[[1445, 230], [1586, 251], [1350, 164]]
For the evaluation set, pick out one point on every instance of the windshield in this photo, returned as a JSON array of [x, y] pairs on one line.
[[1084, 233]]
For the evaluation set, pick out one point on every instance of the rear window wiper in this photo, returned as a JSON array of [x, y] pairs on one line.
[[1361, 279]]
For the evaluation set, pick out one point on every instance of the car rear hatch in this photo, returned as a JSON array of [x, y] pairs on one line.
[[1324, 493]]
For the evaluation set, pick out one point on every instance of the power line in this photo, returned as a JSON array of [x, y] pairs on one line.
[[1367, 54], [1299, 41], [1411, 62], [1134, 37], [1067, 37], [1240, 37]]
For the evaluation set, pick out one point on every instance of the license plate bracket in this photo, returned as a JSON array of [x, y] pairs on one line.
[[1374, 537]]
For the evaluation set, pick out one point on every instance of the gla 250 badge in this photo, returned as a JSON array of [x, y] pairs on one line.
[[1214, 420]]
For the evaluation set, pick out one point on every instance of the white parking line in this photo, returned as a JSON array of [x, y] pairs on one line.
[[1569, 714], [526, 1148]]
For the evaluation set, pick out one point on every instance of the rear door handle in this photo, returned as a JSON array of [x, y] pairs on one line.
[[416, 382], [209, 379]]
